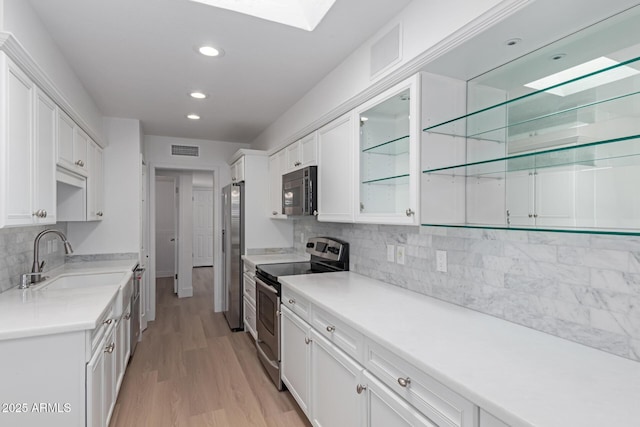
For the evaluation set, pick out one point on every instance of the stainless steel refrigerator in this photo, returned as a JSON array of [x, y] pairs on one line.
[[232, 250]]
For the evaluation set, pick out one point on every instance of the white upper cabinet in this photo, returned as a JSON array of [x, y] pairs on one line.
[[387, 166], [335, 170], [277, 167], [26, 176], [302, 153], [72, 145], [44, 195], [95, 182], [237, 170]]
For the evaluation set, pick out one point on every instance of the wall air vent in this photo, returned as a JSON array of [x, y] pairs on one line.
[[386, 51], [185, 150]]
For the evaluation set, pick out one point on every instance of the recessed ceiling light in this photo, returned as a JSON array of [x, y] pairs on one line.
[[513, 42], [193, 116], [210, 51], [198, 95]]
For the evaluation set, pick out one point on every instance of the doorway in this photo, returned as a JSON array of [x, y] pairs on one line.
[[182, 225]]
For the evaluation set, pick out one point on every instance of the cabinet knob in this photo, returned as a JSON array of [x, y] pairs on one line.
[[307, 340], [360, 388], [44, 213], [128, 316], [292, 301], [297, 164], [409, 212], [80, 163], [99, 213], [37, 213], [110, 348], [535, 215], [530, 216], [331, 328], [233, 179], [108, 321], [274, 213], [404, 382], [315, 213]]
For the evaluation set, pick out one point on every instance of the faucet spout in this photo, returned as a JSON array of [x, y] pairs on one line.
[[36, 268]]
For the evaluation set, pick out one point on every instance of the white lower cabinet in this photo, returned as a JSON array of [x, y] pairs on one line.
[[384, 408], [340, 377], [295, 357], [334, 378], [101, 380]]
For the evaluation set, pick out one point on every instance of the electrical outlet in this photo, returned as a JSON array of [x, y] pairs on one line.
[[391, 253], [400, 255], [441, 261]]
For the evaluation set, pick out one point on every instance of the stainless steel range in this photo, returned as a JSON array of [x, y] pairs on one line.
[[327, 255]]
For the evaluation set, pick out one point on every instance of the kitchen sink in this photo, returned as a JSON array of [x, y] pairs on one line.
[[78, 281]]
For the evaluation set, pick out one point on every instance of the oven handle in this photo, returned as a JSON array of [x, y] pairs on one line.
[[265, 286], [265, 357]]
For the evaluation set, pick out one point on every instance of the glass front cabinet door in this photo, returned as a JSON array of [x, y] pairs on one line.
[[388, 129]]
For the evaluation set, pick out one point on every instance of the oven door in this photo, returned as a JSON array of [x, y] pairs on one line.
[[268, 328]]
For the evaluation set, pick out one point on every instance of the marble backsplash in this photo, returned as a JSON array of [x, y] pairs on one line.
[[581, 287], [16, 252]]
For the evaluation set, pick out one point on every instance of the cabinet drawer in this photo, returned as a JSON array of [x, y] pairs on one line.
[[295, 303], [249, 288], [250, 318], [345, 337], [437, 402], [96, 335]]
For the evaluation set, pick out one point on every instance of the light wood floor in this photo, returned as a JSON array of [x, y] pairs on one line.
[[191, 370]]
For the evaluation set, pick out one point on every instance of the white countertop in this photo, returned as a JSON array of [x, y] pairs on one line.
[[274, 258], [522, 376], [32, 312]]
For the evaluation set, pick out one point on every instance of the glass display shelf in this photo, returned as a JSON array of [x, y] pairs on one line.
[[390, 180], [582, 230], [562, 106], [613, 152], [393, 147]]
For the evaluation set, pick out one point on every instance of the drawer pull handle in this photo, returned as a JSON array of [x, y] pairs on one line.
[[360, 388], [331, 328], [110, 348], [292, 301], [307, 340], [108, 321], [404, 382]]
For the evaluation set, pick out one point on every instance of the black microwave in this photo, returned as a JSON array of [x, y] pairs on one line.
[[300, 192]]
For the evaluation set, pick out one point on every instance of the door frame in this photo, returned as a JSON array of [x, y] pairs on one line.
[[217, 227]]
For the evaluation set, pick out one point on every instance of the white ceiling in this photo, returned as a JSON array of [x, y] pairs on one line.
[[137, 59]]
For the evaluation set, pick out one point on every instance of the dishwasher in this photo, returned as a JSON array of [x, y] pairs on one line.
[[135, 308]]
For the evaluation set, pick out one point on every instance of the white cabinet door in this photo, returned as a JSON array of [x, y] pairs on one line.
[[334, 379], [277, 164], [387, 162], [295, 352], [17, 146], [302, 153], [44, 195], [109, 376], [237, 170], [555, 197], [94, 182], [335, 170], [64, 143], [95, 373], [520, 198], [80, 149], [385, 408], [120, 353]]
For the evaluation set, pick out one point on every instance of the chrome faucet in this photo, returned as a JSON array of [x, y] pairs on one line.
[[36, 269]]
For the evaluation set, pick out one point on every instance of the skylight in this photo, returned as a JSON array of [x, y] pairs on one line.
[[586, 83], [304, 14]]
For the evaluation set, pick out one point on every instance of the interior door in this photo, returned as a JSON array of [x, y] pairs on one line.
[[202, 227], [166, 226]]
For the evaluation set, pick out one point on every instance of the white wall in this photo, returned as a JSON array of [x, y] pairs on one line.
[[424, 24], [20, 19], [203, 179], [119, 231]]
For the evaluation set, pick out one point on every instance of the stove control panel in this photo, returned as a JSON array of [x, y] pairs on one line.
[[327, 248]]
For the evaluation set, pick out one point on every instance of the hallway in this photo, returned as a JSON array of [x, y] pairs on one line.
[[191, 370]]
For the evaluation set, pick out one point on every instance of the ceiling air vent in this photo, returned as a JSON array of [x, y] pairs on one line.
[[185, 150]]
